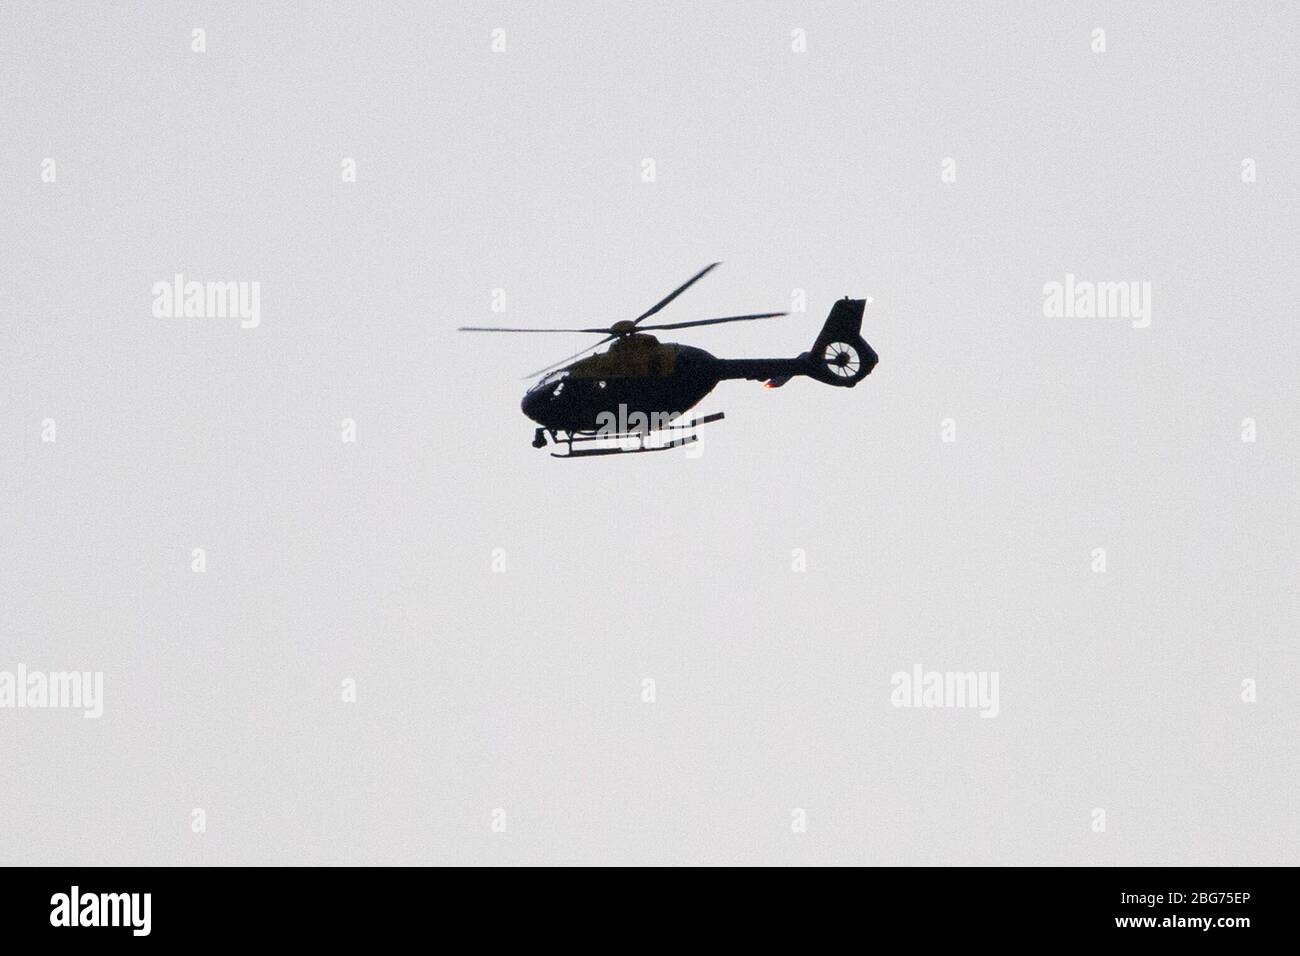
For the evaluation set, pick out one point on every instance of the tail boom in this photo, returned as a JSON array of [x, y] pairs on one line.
[[839, 356]]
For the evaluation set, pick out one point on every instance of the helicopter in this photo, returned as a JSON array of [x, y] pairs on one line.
[[640, 386]]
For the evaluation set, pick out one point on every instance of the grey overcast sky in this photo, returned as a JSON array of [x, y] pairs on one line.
[[663, 658]]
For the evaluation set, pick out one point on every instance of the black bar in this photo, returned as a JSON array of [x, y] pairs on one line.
[[1225, 906]]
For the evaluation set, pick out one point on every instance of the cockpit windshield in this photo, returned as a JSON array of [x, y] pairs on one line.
[[550, 381]]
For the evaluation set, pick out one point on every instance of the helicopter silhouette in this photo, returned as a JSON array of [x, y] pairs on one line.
[[640, 386]]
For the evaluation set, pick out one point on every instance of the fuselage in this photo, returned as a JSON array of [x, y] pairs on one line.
[[639, 379], [638, 374]]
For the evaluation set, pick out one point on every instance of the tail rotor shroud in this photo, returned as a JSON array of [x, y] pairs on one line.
[[841, 356]]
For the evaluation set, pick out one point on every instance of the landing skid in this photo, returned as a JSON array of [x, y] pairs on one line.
[[569, 439], [593, 452]]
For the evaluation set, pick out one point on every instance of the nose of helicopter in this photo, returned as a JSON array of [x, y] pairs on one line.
[[532, 404]]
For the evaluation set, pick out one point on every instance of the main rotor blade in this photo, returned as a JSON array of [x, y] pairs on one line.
[[676, 292], [487, 328], [729, 318], [564, 361]]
